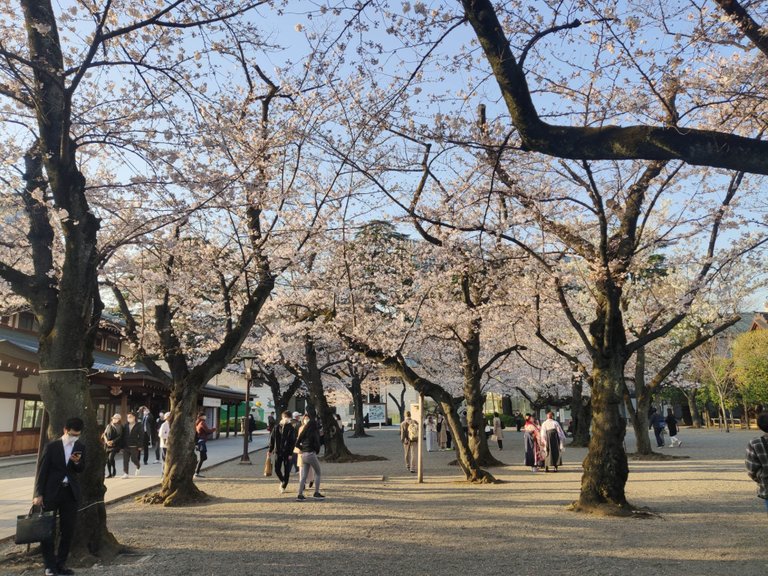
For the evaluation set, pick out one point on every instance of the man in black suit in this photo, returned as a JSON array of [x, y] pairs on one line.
[[149, 434], [57, 489]]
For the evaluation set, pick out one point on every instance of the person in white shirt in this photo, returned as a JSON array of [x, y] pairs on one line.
[[552, 437]]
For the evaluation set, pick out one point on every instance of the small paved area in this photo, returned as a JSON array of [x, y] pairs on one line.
[[17, 475], [377, 520]]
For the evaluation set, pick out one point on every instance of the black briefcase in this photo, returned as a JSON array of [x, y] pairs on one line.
[[35, 526]]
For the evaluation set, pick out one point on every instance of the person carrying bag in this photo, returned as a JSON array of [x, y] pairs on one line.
[[35, 526]]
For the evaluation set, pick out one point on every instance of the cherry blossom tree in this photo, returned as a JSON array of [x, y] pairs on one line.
[[89, 97], [258, 192]]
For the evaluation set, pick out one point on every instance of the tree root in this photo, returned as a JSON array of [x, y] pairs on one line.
[[610, 509], [174, 498]]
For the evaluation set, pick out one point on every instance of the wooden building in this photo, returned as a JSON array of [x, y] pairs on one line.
[[115, 387]]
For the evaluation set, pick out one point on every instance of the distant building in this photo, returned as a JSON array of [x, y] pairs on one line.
[[115, 388]]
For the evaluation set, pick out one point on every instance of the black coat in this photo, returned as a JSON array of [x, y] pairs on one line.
[[53, 469], [283, 439], [308, 439], [134, 437]]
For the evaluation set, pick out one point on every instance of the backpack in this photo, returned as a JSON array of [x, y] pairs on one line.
[[413, 430]]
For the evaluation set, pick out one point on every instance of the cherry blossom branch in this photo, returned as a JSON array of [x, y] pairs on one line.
[[694, 146]]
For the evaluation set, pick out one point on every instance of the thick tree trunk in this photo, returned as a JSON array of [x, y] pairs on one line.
[[605, 467], [356, 389], [694, 408], [178, 486], [473, 396], [65, 395], [335, 448], [581, 414], [639, 414]]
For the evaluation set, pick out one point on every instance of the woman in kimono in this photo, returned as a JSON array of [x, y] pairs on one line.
[[552, 438], [534, 455]]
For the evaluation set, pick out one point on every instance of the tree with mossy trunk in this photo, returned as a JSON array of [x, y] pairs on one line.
[[71, 78]]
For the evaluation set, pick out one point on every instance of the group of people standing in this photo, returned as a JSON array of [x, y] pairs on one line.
[[134, 438], [295, 442], [544, 444]]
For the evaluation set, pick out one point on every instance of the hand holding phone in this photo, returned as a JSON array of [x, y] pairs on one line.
[[76, 456]]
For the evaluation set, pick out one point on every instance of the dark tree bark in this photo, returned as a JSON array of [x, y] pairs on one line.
[[67, 306], [581, 414], [639, 416], [355, 388], [475, 400], [335, 448]]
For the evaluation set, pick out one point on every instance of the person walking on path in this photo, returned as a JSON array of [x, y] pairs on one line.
[[113, 443], [409, 436], [671, 422], [552, 438], [431, 428], [657, 423], [57, 489], [149, 430], [308, 444], [282, 441], [497, 430], [757, 459], [162, 436], [251, 426], [132, 442], [442, 432], [202, 433], [532, 442]]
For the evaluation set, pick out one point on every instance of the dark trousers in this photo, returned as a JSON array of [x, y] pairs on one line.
[[283, 465], [149, 441], [499, 443], [202, 456], [131, 454], [111, 467], [659, 440], [65, 504]]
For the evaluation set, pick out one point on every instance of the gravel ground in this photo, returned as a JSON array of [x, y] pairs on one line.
[[378, 520]]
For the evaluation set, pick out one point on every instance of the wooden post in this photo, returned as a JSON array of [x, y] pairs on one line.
[[420, 475]]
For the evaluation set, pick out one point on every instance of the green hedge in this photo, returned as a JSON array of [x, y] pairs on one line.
[[234, 424]]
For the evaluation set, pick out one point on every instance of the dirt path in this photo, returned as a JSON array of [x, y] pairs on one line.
[[710, 521]]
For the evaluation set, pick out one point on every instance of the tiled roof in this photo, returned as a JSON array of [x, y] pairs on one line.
[[102, 362]]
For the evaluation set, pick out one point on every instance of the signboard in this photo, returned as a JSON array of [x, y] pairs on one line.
[[377, 413], [211, 402]]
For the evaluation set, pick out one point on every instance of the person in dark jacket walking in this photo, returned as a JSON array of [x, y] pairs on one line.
[[657, 423], [133, 440], [282, 441], [671, 422], [113, 443], [308, 443], [57, 489]]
